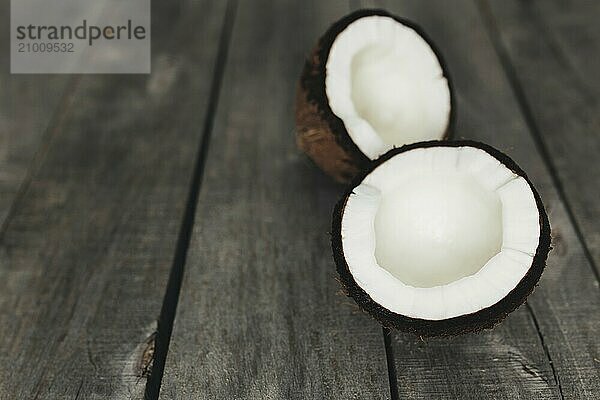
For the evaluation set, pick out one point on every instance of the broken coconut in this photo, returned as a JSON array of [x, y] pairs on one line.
[[374, 82], [441, 238]]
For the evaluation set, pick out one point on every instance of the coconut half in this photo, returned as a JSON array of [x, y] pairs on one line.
[[373, 83], [441, 238]]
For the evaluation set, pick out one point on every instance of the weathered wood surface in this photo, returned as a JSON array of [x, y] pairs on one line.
[[28, 104], [562, 315], [87, 251], [95, 180], [507, 362], [260, 315], [553, 49]]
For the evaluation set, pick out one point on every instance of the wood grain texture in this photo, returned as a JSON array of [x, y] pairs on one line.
[[27, 106], [85, 257], [552, 48], [509, 361], [567, 313], [260, 314], [561, 319]]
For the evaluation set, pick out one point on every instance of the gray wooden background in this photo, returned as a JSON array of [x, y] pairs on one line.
[[180, 197]]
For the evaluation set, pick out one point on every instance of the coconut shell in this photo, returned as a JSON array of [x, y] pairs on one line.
[[468, 323], [320, 133]]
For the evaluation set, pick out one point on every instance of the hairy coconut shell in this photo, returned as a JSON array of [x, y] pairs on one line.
[[320, 133], [474, 322]]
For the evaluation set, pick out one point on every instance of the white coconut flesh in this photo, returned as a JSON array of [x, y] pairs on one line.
[[386, 84], [440, 232]]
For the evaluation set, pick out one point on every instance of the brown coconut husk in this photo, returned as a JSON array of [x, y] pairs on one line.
[[320, 133]]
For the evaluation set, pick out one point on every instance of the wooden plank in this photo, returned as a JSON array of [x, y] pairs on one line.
[[552, 49], [260, 314], [27, 106], [85, 258], [572, 294], [562, 318], [507, 362]]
